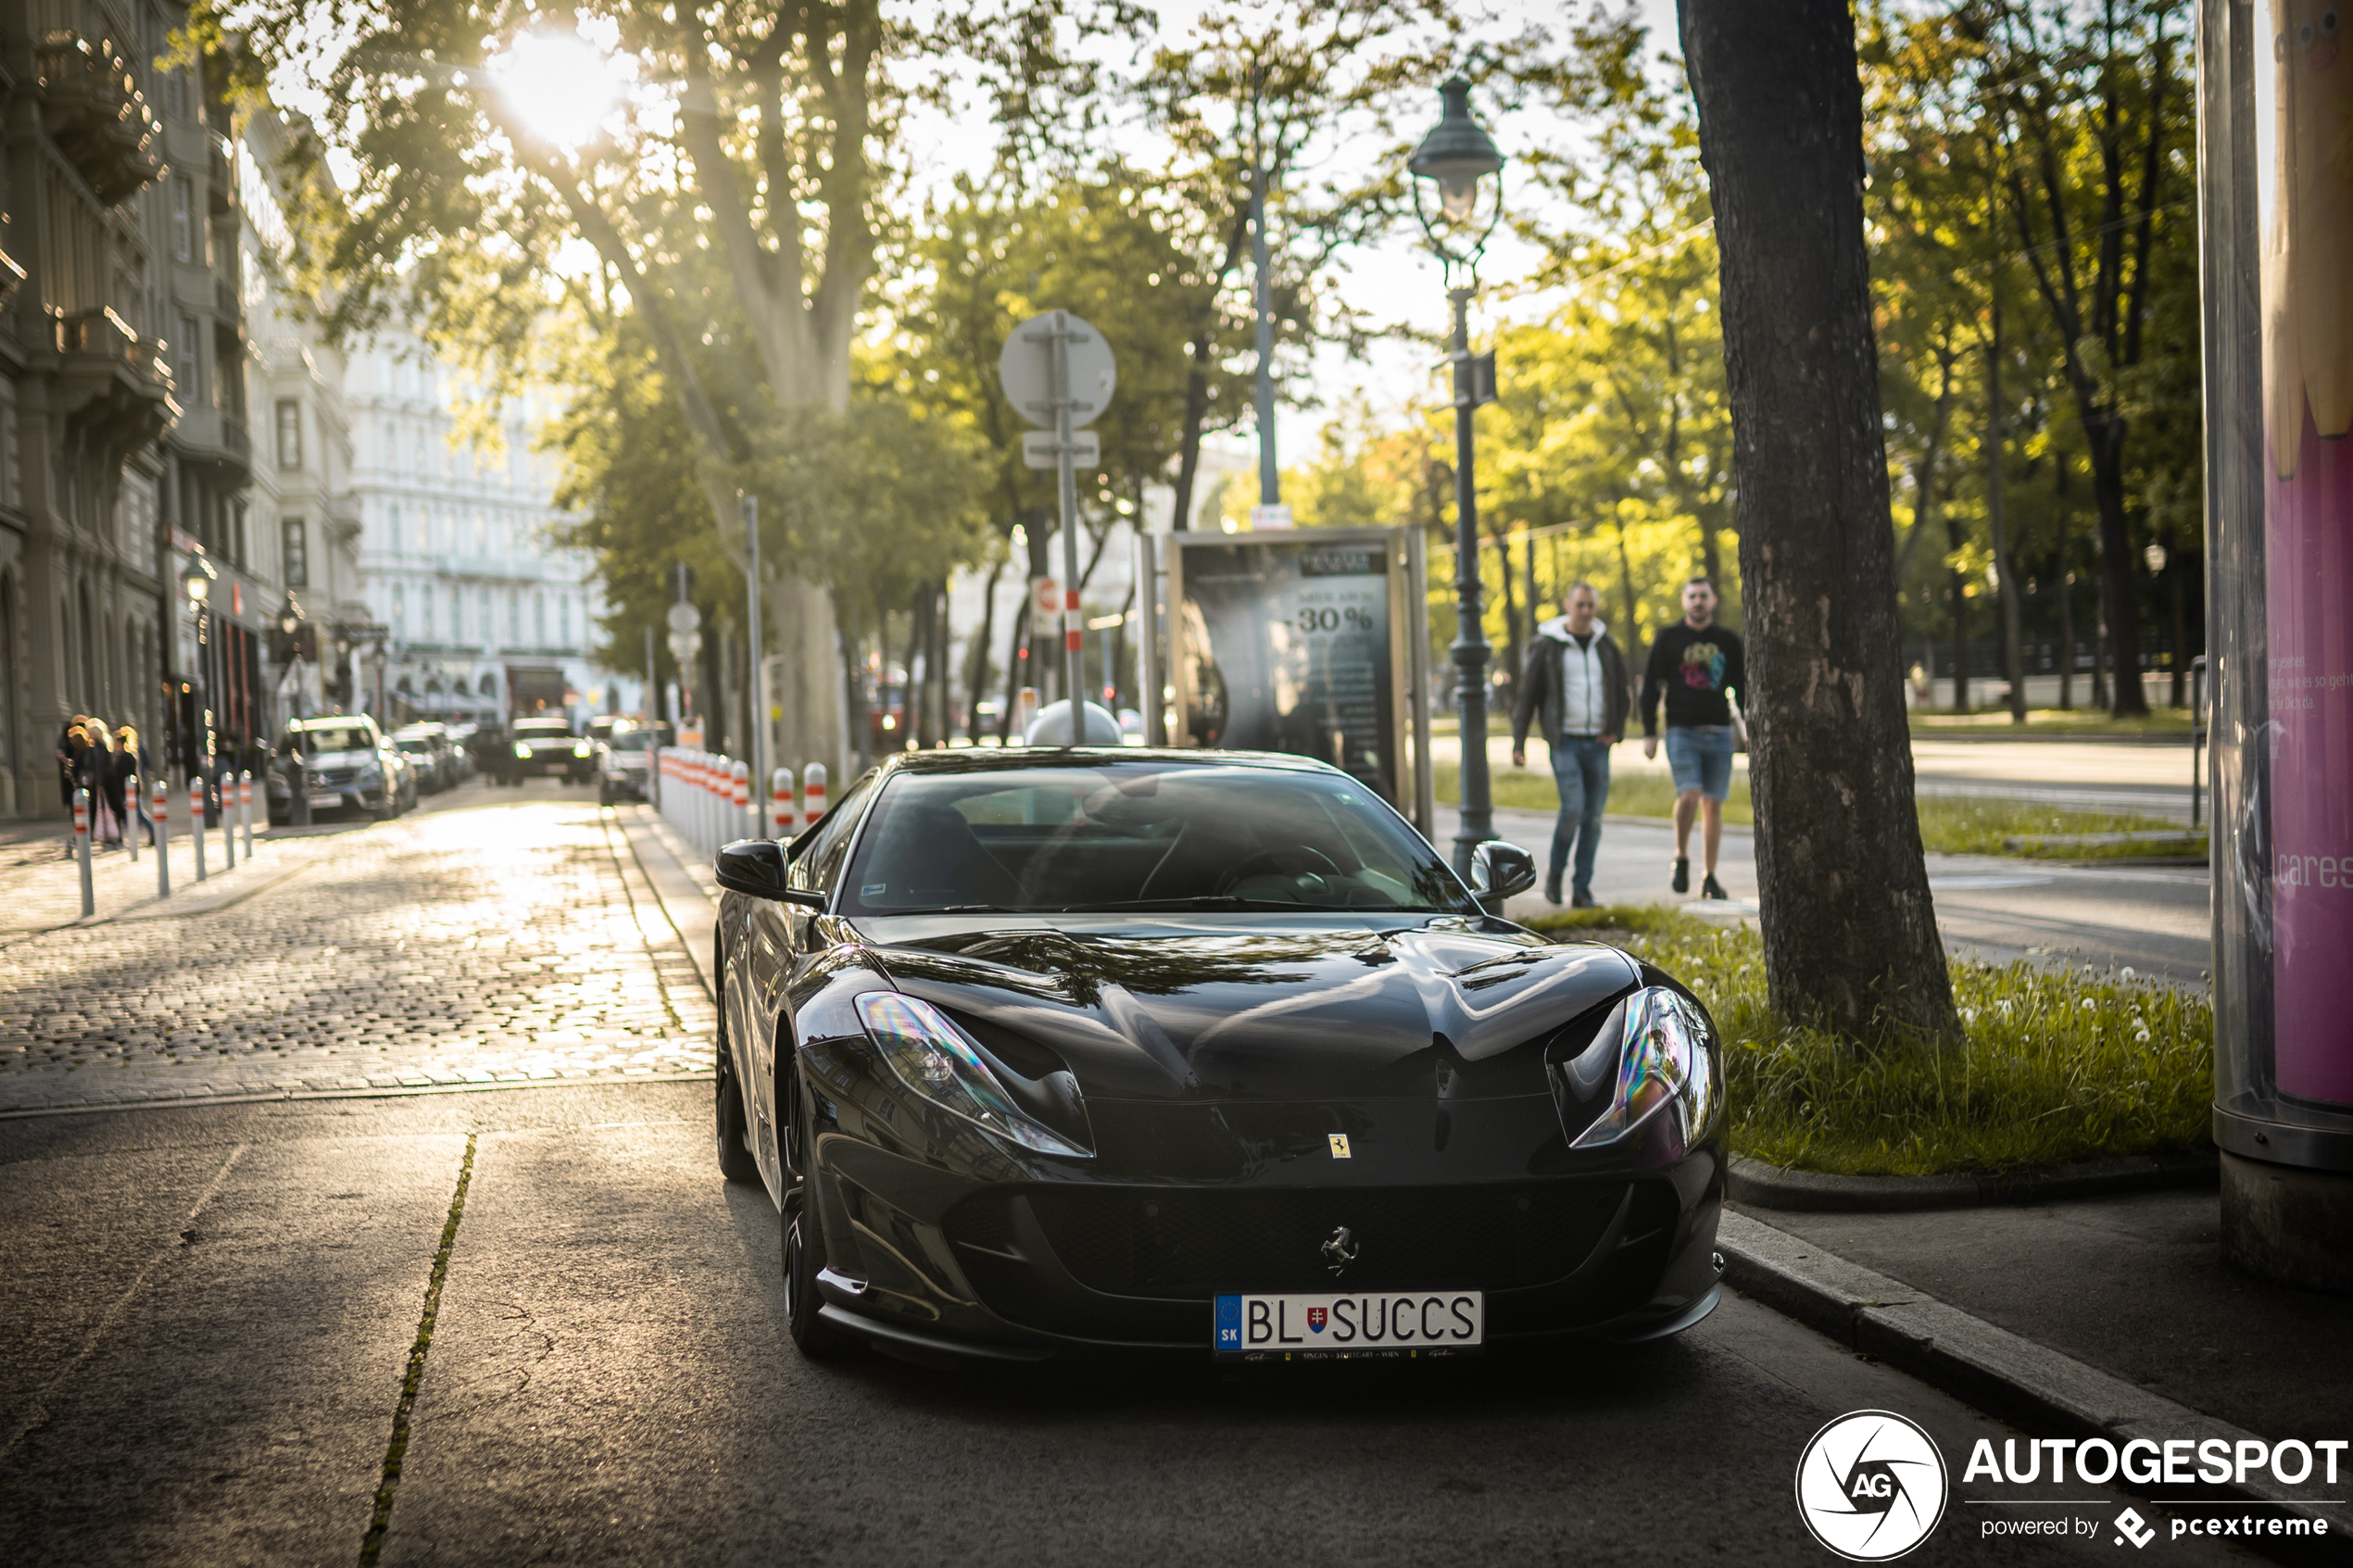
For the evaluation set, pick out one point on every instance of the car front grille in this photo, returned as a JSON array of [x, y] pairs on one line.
[[1180, 1242]]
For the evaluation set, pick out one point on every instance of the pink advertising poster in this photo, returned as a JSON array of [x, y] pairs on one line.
[[2307, 307]]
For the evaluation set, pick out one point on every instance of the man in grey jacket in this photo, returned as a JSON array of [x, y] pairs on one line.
[[1575, 688]]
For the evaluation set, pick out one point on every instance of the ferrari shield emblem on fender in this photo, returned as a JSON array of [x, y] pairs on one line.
[[1340, 1145]]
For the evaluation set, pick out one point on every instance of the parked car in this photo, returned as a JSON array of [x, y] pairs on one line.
[[428, 744], [461, 748], [624, 764], [402, 770], [347, 766], [1180, 1050], [546, 748]]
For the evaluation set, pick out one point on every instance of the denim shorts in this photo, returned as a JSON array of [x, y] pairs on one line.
[[1701, 756]]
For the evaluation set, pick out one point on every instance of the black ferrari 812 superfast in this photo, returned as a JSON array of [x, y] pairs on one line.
[[1035, 1049]]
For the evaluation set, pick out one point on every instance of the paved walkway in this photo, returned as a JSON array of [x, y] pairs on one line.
[[501, 943]]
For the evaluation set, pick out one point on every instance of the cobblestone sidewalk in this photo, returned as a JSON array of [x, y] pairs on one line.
[[498, 945]]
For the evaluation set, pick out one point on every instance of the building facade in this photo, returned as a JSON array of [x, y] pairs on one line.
[[486, 616]]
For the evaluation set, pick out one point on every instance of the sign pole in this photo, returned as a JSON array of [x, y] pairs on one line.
[[1066, 492]]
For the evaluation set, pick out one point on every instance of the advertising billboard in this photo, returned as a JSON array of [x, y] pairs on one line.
[[1310, 642]]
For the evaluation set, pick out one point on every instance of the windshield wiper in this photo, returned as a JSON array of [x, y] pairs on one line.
[[954, 909]]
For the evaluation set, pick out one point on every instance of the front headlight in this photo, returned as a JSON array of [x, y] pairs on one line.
[[522, 751], [579, 748], [933, 1057], [1664, 1062]]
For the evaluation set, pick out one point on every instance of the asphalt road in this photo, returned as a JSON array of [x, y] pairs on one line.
[[216, 1307]]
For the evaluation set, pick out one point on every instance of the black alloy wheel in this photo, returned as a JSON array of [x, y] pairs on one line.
[[804, 1245]]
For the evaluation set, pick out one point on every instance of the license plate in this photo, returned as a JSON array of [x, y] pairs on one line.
[[1417, 1322], [326, 800]]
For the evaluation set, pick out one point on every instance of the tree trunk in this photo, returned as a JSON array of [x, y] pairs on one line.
[[2005, 570], [2065, 573], [1956, 590], [1633, 642], [2120, 593], [1511, 611], [1850, 932], [1014, 666], [976, 667], [2179, 696]]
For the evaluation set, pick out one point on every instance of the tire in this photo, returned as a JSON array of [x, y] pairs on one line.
[[804, 1256], [736, 1162]]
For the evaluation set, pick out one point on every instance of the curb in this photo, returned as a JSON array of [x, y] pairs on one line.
[[1761, 1185], [2002, 1374], [286, 1096]]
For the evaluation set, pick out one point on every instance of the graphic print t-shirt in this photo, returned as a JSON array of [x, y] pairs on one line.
[[1694, 671]]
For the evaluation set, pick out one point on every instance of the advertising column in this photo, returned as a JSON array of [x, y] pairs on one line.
[[2275, 139]]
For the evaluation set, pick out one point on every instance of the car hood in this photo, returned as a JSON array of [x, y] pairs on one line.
[[1340, 1010]]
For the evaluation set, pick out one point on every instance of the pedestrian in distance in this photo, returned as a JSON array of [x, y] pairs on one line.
[[105, 789], [73, 741], [129, 761], [1697, 667], [1575, 689]]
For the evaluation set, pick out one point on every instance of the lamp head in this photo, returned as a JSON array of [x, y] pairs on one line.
[[197, 579], [1456, 154]]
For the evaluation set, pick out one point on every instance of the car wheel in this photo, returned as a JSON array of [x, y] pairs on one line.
[[736, 1162], [804, 1256]]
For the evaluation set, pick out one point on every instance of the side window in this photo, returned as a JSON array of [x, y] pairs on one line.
[[817, 865]]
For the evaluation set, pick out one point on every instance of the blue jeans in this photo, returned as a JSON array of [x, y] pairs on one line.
[[1701, 759], [1580, 767]]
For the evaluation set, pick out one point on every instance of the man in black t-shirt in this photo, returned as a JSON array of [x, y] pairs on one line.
[[1696, 666]]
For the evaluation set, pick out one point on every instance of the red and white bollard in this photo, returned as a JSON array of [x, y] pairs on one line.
[[159, 810], [196, 819], [813, 794], [228, 821], [131, 810], [244, 807], [82, 850], [781, 805], [741, 790]]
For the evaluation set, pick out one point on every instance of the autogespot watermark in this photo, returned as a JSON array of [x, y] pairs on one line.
[[1872, 1485]]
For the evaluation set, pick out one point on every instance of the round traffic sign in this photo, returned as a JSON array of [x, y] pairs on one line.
[[1026, 368], [684, 617]]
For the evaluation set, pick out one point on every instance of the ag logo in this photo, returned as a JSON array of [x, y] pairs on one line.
[[1870, 1486]]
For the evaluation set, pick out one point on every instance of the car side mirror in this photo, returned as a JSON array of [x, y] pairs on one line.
[[756, 867], [1499, 870]]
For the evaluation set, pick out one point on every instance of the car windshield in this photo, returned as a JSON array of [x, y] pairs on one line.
[[632, 740], [415, 747], [543, 729], [334, 737], [1142, 835]]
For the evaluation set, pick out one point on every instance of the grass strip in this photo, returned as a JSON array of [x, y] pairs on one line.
[[2054, 1064], [1950, 824], [372, 1546]]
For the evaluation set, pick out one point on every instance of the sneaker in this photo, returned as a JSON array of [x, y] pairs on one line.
[[1583, 900], [1711, 888], [1552, 890], [1683, 882]]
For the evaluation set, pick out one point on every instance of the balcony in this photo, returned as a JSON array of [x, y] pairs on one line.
[[218, 439], [227, 305], [115, 385], [221, 178], [11, 275], [91, 107]]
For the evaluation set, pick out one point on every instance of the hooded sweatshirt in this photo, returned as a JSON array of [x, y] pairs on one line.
[[1572, 687]]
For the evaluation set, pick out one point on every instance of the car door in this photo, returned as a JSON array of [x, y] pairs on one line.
[[777, 937]]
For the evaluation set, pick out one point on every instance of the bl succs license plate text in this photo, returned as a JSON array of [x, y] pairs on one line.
[[1406, 1322]]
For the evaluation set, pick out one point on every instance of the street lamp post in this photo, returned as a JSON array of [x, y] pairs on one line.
[[196, 582], [1457, 155]]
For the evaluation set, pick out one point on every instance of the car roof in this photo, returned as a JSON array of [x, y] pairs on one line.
[[998, 759], [328, 721]]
